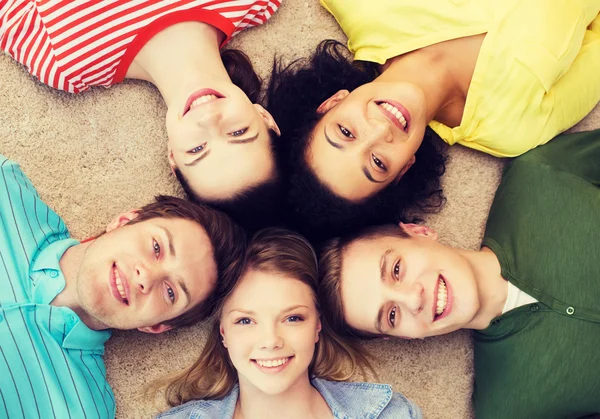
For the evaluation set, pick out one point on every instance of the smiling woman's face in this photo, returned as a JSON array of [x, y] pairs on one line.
[[367, 139], [220, 141]]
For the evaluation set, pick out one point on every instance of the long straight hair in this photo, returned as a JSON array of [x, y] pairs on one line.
[[213, 375]]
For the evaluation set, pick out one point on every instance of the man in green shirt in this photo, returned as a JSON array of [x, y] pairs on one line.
[[532, 293]]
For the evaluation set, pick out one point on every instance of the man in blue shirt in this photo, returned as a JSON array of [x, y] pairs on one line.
[[154, 269]]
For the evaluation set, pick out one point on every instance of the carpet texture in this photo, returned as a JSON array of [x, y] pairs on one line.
[[95, 155]]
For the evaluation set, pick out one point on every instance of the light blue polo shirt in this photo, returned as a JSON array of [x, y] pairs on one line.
[[50, 362]]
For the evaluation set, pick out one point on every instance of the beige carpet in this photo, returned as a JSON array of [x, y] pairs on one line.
[[94, 155]]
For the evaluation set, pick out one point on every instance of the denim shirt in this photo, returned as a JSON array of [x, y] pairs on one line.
[[346, 401]]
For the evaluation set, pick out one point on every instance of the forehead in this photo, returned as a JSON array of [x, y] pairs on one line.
[[256, 290]]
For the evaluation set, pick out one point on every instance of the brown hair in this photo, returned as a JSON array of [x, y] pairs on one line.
[[213, 375], [331, 259], [228, 241]]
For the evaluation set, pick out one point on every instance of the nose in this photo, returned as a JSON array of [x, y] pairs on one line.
[[380, 130], [144, 279], [411, 297], [270, 338], [208, 118]]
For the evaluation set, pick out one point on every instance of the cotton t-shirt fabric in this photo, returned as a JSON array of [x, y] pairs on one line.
[[536, 74], [50, 362], [72, 45], [541, 360]]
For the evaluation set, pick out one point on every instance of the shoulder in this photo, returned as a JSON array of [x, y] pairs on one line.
[[366, 400], [204, 409]]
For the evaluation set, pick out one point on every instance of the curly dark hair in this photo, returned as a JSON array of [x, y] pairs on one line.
[[259, 205], [293, 96]]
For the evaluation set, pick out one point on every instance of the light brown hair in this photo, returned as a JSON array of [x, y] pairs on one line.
[[330, 276], [227, 239], [213, 375]]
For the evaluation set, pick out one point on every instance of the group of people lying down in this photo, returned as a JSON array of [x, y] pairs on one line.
[[294, 241]]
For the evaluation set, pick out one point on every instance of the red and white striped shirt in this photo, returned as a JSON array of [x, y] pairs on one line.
[[74, 44]]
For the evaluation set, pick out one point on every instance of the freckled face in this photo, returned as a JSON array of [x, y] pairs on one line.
[[271, 341], [146, 273], [368, 139], [407, 287]]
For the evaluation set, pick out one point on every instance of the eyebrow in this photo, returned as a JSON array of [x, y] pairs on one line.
[[173, 254], [336, 145], [195, 161], [287, 310], [243, 140], [368, 175], [382, 272]]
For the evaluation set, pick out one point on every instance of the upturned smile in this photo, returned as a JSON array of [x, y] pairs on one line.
[[273, 365], [396, 113], [201, 97], [442, 303], [119, 285]]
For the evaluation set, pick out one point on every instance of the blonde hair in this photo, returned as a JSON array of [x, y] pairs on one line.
[[213, 375]]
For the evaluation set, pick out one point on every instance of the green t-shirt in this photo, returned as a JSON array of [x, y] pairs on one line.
[[542, 360]]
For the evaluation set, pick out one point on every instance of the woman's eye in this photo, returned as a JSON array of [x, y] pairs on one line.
[[239, 132], [295, 319], [378, 163], [156, 248], [345, 132], [397, 270], [170, 293], [198, 149], [393, 317], [244, 321]]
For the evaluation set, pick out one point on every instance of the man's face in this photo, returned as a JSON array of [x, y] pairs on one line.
[[141, 275], [408, 287]]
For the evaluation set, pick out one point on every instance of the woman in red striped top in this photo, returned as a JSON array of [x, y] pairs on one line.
[[219, 140]]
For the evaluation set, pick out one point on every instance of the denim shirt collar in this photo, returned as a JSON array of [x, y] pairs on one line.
[[354, 400]]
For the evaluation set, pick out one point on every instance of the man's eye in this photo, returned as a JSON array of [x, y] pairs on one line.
[[244, 321], [397, 270], [198, 149], [393, 317], [345, 132], [239, 132], [378, 163], [170, 293], [156, 248]]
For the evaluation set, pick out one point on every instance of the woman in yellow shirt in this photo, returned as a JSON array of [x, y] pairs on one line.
[[499, 77]]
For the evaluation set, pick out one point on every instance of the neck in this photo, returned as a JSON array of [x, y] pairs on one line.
[[492, 288], [442, 71], [70, 264], [180, 57], [300, 401]]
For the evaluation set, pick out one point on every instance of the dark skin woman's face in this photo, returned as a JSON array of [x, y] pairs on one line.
[[367, 139]]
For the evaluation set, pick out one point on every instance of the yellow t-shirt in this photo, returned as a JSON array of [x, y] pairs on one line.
[[537, 73]]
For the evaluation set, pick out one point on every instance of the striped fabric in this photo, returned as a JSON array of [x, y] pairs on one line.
[[74, 44], [50, 362]]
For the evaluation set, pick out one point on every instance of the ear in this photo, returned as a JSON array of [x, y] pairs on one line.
[[268, 119], [415, 230], [319, 328], [407, 166], [171, 159], [328, 104], [157, 328], [223, 340], [121, 219]]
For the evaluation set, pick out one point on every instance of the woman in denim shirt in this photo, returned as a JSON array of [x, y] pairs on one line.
[[270, 355]]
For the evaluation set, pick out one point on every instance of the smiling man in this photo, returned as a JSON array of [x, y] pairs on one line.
[[530, 293], [156, 268]]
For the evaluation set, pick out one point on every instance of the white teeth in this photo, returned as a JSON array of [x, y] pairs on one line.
[[394, 111], [120, 285], [202, 99], [442, 297], [271, 363]]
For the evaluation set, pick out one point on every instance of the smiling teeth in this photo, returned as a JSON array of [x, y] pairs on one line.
[[119, 284], [202, 99], [272, 362], [394, 111], [442, 297]]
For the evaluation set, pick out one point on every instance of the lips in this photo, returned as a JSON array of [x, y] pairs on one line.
[[272, 365], [119, 285], [442, 299], [189, 104], [396, 113]]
